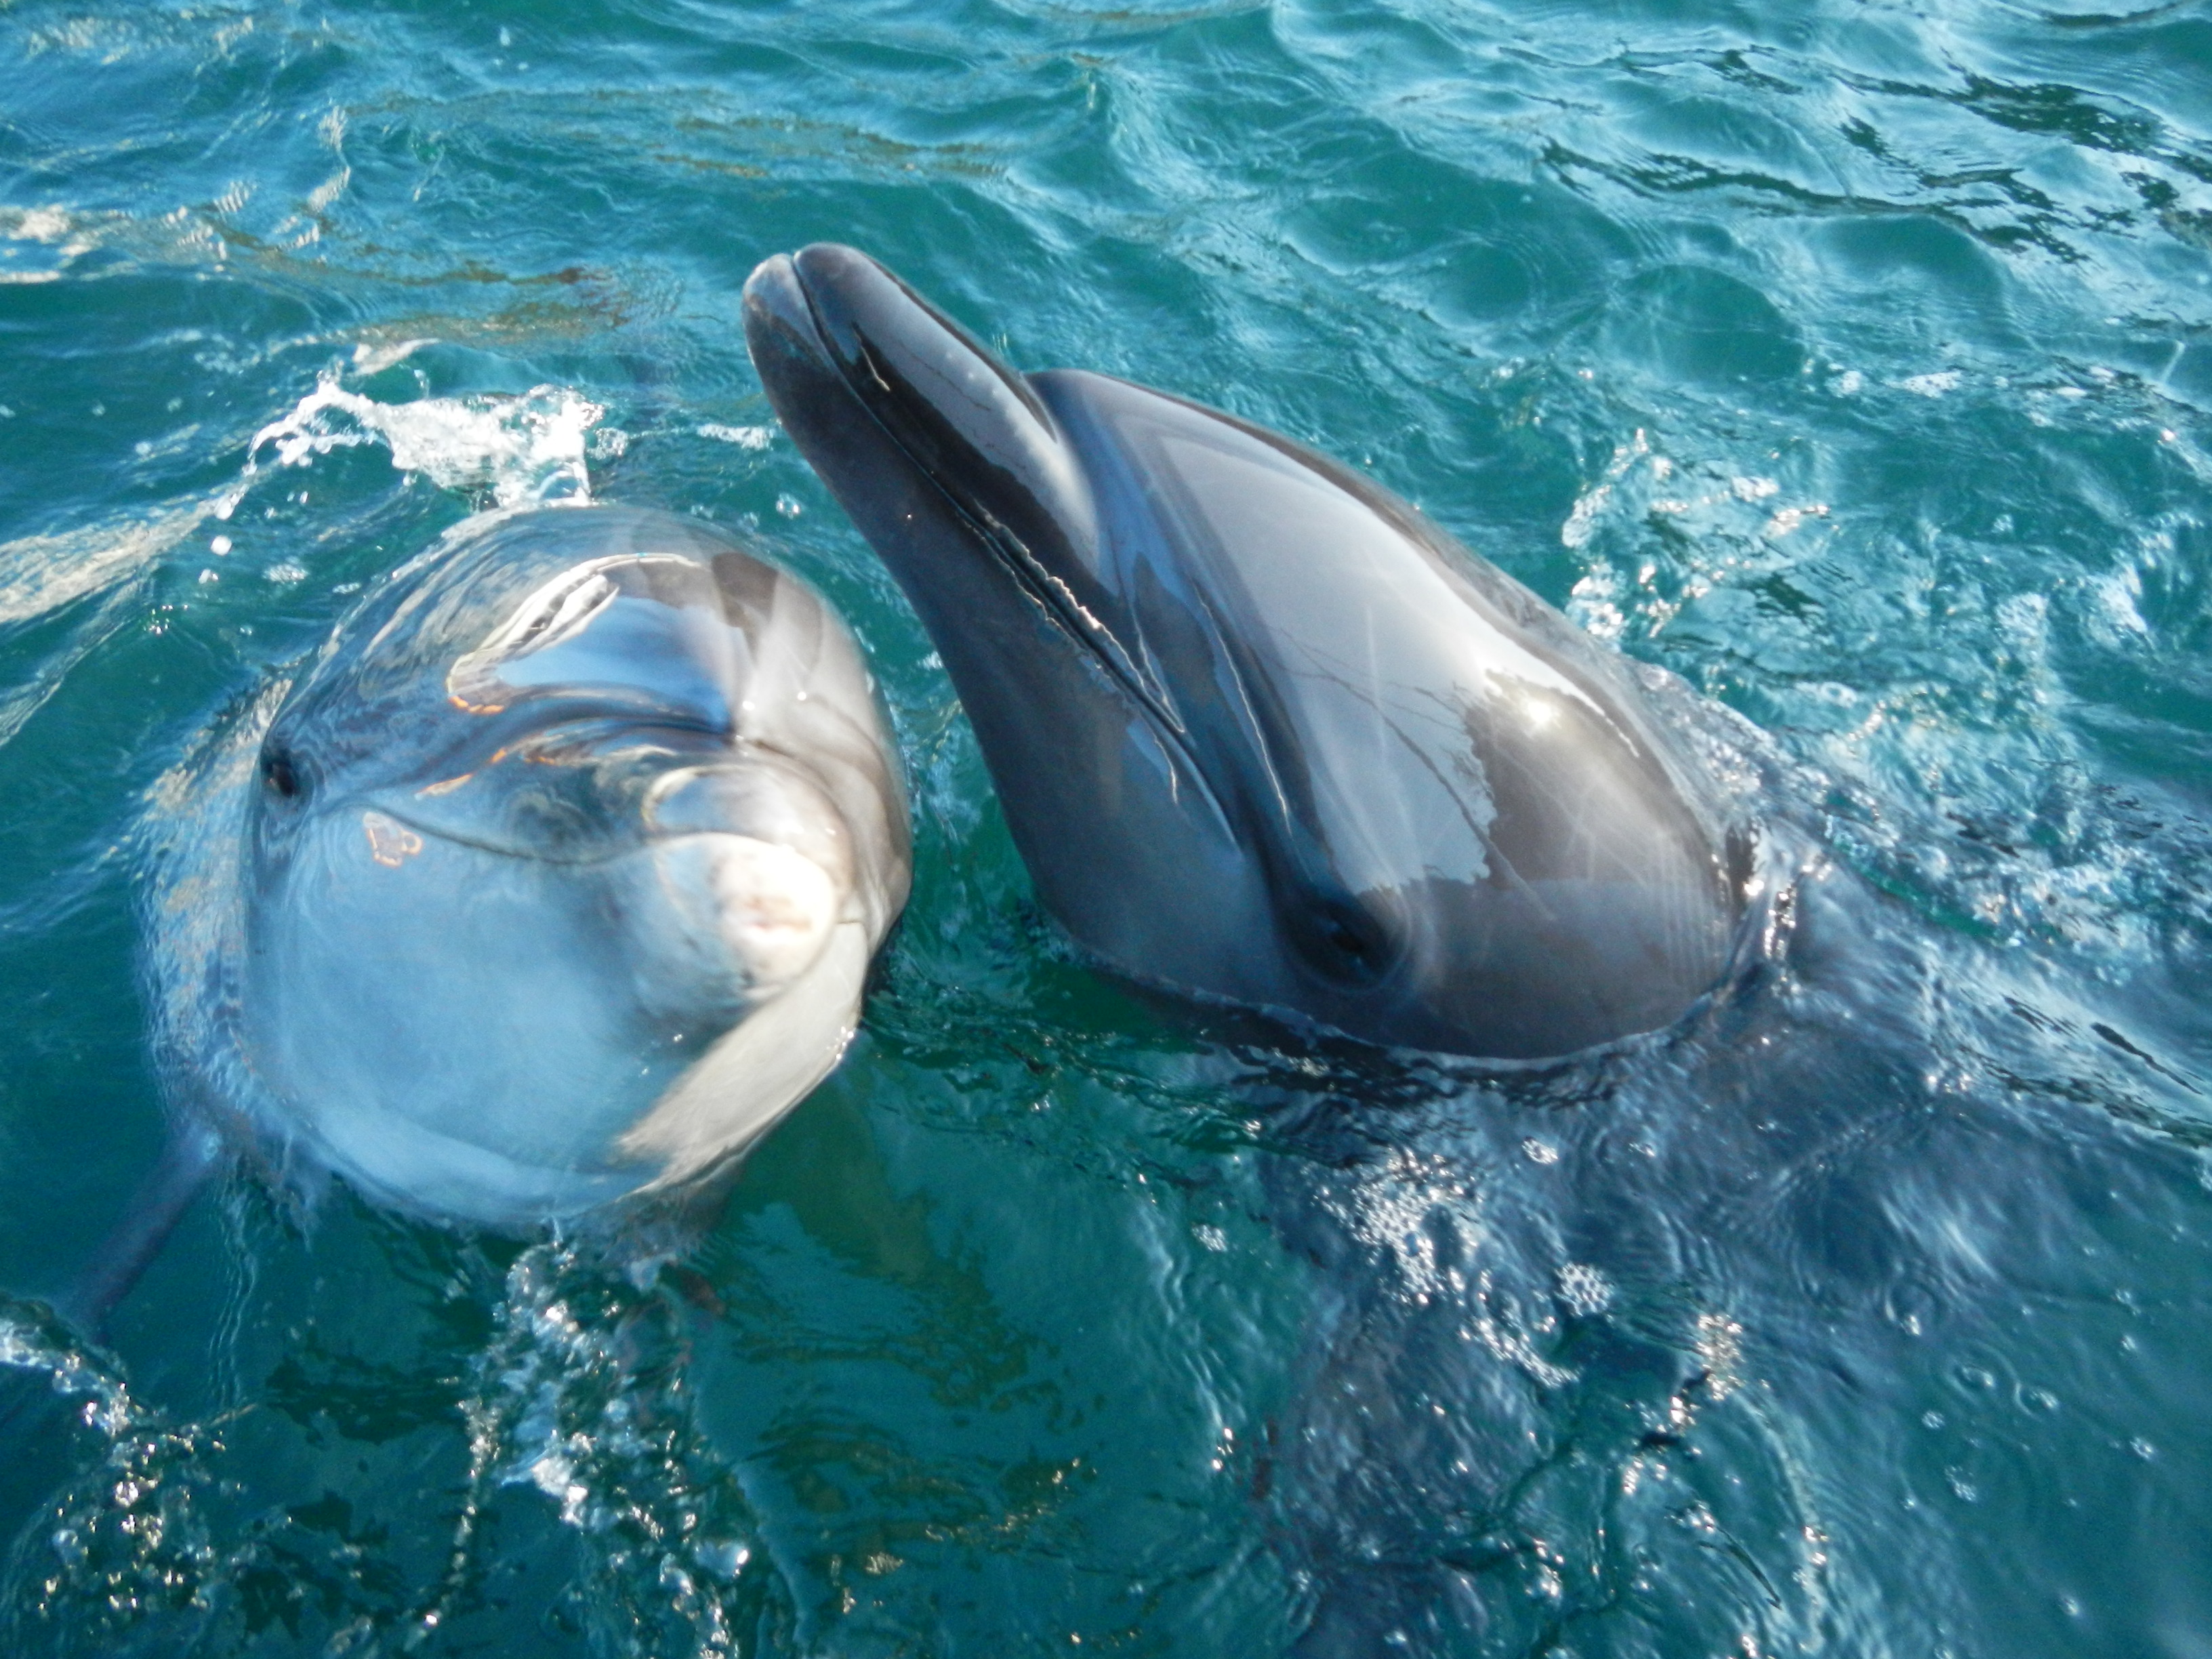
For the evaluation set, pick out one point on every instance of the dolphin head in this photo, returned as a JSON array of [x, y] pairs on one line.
[[1259, 729], [563, 865]]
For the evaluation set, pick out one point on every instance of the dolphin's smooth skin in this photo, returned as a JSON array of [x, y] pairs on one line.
[[1260, 730], [553, 880]]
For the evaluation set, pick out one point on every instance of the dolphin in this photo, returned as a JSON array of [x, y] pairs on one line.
[[1261, 731], [551, 883]]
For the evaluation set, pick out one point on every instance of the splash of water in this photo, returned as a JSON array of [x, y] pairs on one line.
[[521, 451], [121, 1549], [583, 1396]]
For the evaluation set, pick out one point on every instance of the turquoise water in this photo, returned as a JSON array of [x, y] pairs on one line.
[[1853, 361]]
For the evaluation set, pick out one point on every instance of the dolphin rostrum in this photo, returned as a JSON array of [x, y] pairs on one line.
[[1260, 730]]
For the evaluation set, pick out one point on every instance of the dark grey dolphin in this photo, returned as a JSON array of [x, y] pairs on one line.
[[552, 881], [1260, 730]]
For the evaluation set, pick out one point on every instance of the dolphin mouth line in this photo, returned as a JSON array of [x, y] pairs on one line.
[[373, 806], [1048, 592], [401, 817]]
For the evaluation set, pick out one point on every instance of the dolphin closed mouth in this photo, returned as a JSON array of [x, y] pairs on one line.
[[1261, 731]]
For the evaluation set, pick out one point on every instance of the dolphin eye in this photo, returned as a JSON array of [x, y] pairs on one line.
[[1355, 946], [279, 776]]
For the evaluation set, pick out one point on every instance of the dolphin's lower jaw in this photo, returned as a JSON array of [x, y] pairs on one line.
[[712, 1113], [405, 1165], [1258, 729], [502, 1086]]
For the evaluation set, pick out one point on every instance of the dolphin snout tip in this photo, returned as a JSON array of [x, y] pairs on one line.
[[831, 262], [775, 293], [784, 280]]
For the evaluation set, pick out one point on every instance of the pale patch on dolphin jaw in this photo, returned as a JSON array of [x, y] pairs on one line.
[[758, 1069], [770, 909], [413, 1167], [760, 963], [407, 1043]]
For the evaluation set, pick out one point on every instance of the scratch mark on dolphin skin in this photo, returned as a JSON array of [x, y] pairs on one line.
[[445, 787], [389, 842]]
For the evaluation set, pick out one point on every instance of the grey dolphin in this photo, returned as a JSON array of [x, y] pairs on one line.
[[1260, 730], [553, 880]]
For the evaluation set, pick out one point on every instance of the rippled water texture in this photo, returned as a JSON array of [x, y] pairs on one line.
[[1851, 359]]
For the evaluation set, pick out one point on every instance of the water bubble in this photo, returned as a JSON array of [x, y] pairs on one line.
[[1584, 1289]]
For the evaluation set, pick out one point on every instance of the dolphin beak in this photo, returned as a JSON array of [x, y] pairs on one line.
[[774, 297], [858, 317], [842, 346], [958, 475], [786, 344]]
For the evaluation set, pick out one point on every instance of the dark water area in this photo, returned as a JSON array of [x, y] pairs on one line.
[[1853, 362]]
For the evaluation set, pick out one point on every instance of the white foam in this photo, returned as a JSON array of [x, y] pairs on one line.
[[526, 449], [44, 224], [29, 1343], [745, 437], [1931, 386]]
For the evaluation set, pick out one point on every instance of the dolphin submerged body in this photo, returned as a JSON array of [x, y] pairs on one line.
[[1259, 729], [553, 880]]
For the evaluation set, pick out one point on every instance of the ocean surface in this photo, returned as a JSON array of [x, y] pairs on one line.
[[1852, 360]]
